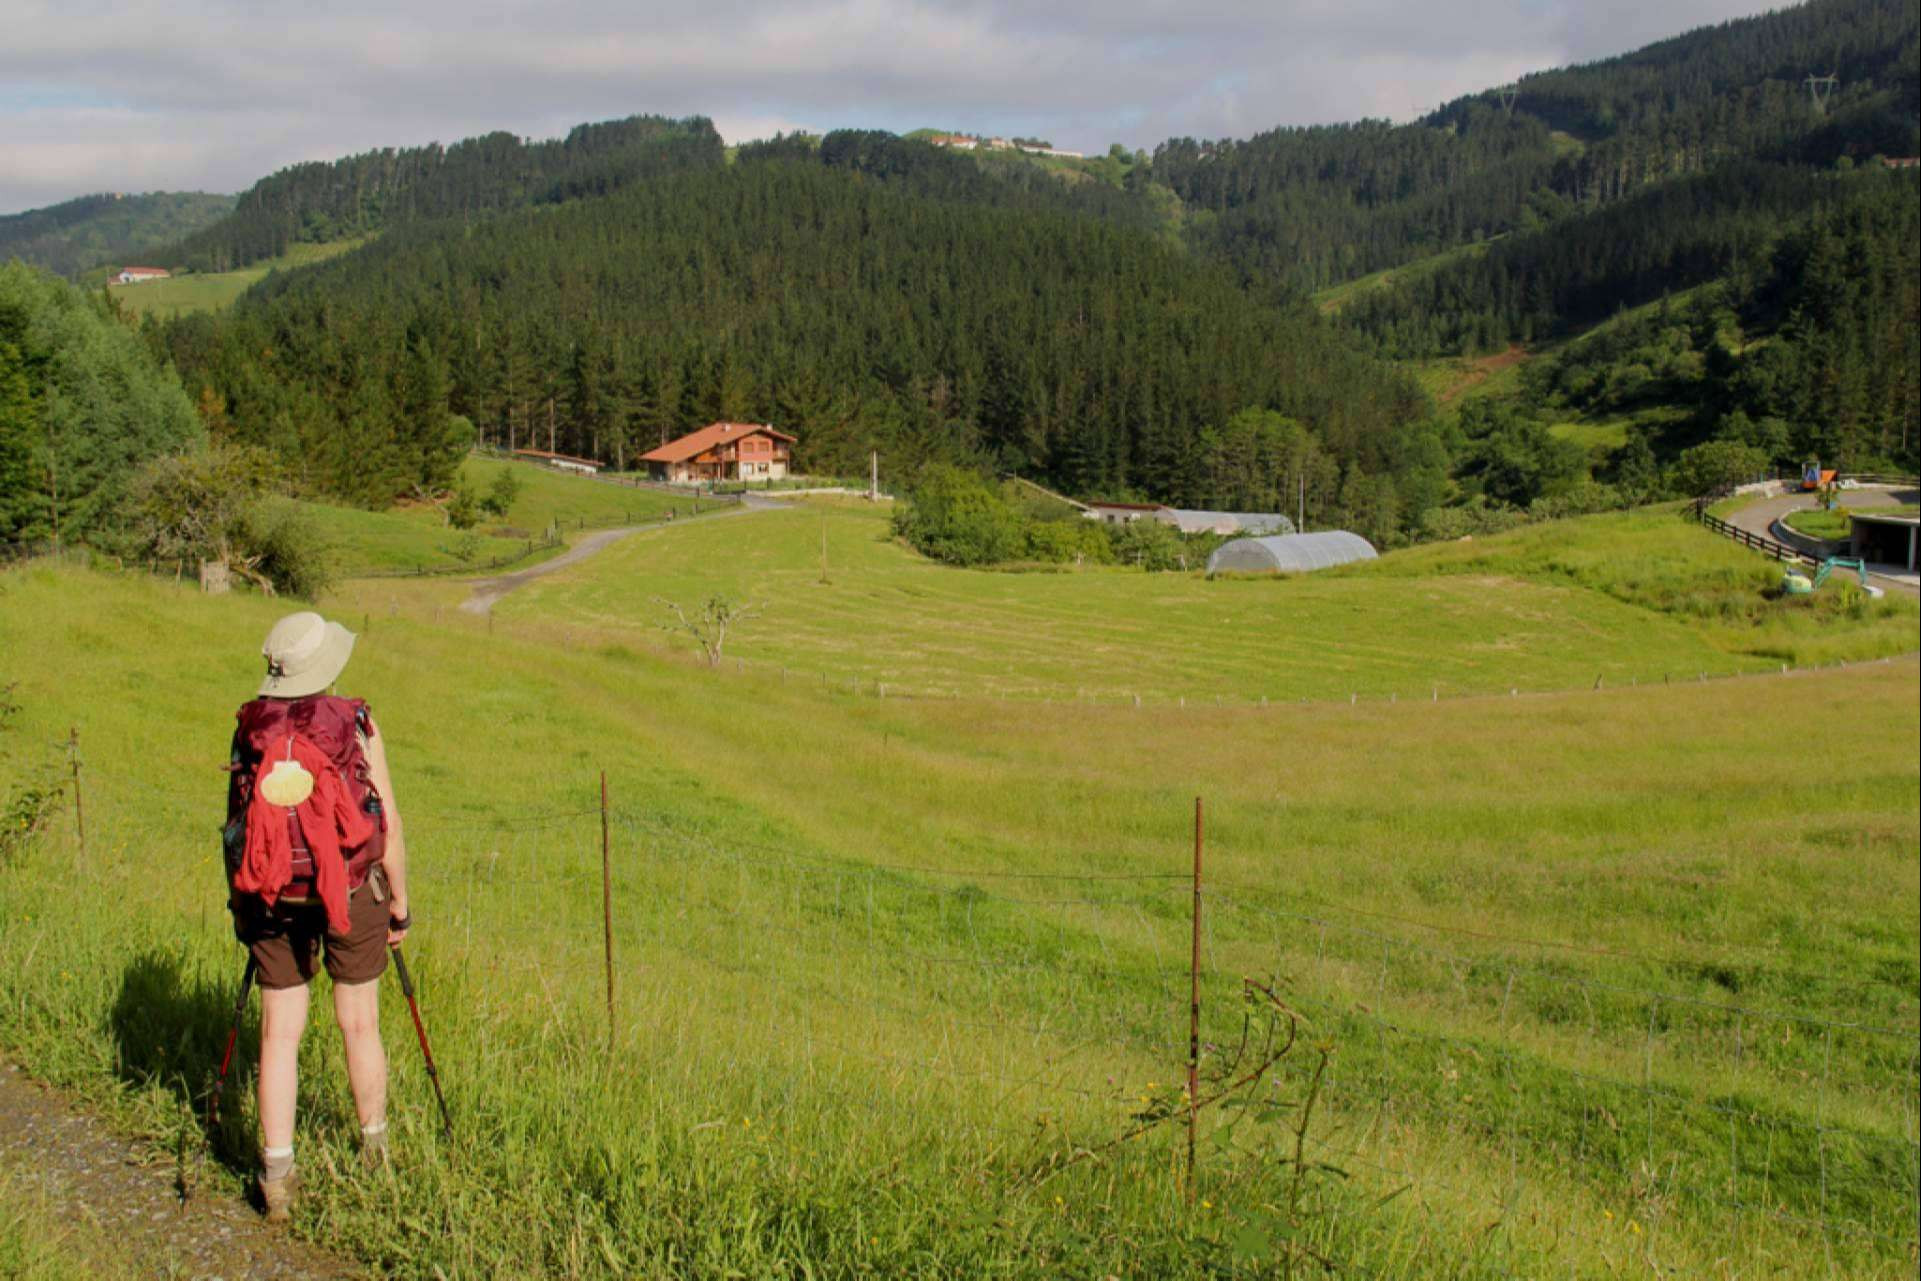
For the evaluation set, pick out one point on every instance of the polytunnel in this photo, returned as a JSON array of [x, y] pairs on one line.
[[1290, 553]]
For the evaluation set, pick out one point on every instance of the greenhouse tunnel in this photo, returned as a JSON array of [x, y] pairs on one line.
[[1290, 553]]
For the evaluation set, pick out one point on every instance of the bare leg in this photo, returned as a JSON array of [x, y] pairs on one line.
[[283, 1017], [357, 1008]]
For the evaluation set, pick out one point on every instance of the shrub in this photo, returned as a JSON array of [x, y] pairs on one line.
[[499, 499], [1065, 542], [288, 548], [463, 509], [953, 515], [1716, 467]]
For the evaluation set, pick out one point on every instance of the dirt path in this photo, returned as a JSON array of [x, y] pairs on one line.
[[489, 590], [110, 1189]]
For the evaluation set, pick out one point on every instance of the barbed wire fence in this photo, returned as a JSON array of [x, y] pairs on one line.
[[1531, 1079]]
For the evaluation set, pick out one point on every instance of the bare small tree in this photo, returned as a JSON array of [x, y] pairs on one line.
[[709, 623]]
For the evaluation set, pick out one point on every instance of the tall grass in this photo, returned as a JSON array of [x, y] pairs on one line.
[[865, 1007]]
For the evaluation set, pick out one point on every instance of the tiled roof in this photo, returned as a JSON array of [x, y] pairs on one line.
[[699, 442]]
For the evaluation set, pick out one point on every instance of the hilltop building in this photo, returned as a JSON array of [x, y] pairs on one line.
[[722, 451], [968, 142], [136, 275]]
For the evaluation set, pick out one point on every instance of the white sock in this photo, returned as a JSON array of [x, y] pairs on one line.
[[276, 1163]]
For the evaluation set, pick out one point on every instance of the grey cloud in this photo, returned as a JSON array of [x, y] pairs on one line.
[[213, 95]]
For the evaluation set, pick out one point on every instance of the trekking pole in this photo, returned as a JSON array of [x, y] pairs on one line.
[[233, 1038], [420, 1029]]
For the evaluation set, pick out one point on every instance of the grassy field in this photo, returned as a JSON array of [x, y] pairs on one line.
[[1624, 598], [212, 290], [1608, 987], [418, 536]]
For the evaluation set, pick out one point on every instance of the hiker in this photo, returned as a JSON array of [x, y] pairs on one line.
[[317, 867]]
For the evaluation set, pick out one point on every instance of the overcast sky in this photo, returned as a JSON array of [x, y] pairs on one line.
[[213, 94]]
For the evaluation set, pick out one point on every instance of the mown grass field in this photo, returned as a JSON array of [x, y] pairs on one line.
[[1643, 597], [418, 536], [1608, 986], [212, 290]]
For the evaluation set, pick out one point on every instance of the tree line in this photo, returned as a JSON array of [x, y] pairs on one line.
[[357, 195], [859, 304]]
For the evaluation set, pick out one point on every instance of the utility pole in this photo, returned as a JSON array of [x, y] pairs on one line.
[[873, 476], [1300, 526], [1820, 89]]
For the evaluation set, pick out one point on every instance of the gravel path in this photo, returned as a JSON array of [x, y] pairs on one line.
[[489, 590], [94, 1180]]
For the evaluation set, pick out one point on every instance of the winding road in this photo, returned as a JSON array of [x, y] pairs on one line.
[[1758, 517]]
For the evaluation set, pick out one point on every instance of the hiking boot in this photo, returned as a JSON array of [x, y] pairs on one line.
[[276, 1198]]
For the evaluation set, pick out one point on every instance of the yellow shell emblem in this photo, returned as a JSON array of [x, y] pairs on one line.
[[288, 784]]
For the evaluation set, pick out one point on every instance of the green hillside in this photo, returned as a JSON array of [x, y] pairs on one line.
[[108, 230], [194, 292], [883, 965], [419, 537]]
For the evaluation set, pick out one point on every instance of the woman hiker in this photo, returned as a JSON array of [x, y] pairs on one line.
[[317, 866]]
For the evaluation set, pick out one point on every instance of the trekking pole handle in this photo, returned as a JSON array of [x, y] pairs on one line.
[[400, 967]]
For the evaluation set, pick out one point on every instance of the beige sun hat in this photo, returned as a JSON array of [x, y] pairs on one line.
[[304, 654]]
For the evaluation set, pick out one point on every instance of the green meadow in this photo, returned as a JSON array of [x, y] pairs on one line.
[[418, 537], [213, 290], [1629, 598], [1579, 981]]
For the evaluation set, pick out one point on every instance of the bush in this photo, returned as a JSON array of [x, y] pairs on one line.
[[1064, 542], [463, 509], [288, 548], [499, 499], [952, 515], [1716, 467]]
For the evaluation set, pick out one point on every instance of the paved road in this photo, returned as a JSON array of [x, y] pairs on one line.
[[1758, 517]]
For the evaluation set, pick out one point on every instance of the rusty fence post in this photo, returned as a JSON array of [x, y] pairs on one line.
[[1194, 1010], [607, 907], [79, 807]]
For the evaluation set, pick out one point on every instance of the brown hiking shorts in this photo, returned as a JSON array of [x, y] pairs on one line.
[[286, 941]]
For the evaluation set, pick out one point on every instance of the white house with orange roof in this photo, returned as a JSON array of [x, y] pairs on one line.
[[722, 451]]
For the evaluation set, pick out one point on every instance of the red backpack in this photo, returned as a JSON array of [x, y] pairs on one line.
[[328, 731]]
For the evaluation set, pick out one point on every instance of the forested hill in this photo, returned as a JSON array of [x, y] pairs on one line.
[[108, 229], [378, 189], [857, 305], [1316, 206]]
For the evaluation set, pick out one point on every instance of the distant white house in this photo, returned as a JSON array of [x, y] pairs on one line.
[[136, 275]]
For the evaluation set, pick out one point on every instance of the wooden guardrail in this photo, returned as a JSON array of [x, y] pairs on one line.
[[1748, 538]]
